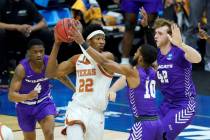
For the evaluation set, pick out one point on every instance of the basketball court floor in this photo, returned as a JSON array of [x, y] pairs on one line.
[[118, 115]]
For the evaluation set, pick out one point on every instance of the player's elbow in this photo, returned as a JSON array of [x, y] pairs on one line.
[[49, 75], [197, 59], [52, 74], [11, 97]]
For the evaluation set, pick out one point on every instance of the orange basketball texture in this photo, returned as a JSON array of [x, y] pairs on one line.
[[63, 27]]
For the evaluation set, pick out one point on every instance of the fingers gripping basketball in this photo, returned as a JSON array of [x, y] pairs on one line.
[[64, 26]]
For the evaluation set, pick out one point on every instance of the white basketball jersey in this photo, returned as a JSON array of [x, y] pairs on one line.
[[92, 84]]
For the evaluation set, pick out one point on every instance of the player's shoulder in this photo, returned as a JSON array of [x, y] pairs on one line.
[[20, 70], [74, 58]]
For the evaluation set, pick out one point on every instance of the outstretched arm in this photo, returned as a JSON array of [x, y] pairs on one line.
[[118, 85], [191, 54]]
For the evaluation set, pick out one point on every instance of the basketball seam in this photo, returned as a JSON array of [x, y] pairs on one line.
[[59, 33], [65, 29]]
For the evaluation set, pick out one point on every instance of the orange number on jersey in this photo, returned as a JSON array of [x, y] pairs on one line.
[[86, 85]]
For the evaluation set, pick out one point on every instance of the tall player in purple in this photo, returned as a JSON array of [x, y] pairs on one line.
[[174, 76], [141, 81], [30, 89]]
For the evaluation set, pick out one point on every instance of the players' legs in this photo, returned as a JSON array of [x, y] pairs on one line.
[[29, 135], [45, 112], [147, 130], [75, 132], [130, 9], [47, 124], [95, 129], [176, 120], [130, 22], [76, 122], [26, 122], [136, 132]]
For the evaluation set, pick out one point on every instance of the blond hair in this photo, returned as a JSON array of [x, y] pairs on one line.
[[160, 22]]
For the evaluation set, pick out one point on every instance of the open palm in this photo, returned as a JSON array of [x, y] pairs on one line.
[[176, 37]]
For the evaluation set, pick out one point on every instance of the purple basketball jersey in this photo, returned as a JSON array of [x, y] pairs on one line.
[[32, 79], [174, 76], [142, 98], [143, 104], [27, 114]]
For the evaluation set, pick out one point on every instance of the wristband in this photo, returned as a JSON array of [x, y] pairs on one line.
[[85, 45]]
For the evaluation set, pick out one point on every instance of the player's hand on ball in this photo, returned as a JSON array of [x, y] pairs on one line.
[[76, 34]]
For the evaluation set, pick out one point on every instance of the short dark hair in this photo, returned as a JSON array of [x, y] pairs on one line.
[[91, 28], [33, 42], [149, 53]]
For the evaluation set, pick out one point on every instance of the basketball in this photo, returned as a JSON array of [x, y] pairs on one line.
[[63, 26]]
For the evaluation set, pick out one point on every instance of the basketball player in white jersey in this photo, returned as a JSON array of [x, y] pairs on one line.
[[5, 133], [85, 113]]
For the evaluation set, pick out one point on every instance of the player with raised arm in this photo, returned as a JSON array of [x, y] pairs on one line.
[[85, 113], [141, 82], [174, 77]]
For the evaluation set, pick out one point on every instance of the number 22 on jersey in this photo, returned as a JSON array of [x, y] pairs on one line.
[[86, 85]]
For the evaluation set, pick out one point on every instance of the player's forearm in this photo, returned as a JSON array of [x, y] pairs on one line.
[[119, 84], [52, 62], [191, 54], [39, 25], [67, 82], [8, 26], [17, 97]]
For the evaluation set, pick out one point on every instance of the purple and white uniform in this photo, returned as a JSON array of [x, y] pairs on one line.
[[147, 125], [174, 76], [30, 111]]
